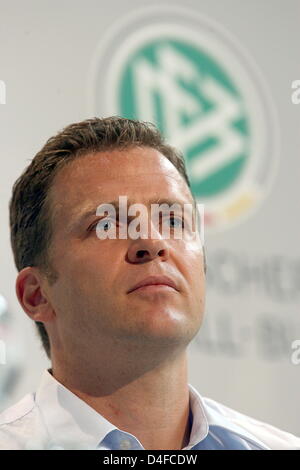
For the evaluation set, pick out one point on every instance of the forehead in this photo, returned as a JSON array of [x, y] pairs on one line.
[[139, 172]]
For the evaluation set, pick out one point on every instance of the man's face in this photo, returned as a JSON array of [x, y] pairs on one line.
[[90, 298]]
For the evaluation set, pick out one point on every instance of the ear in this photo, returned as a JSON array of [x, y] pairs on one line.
[[32, 297]]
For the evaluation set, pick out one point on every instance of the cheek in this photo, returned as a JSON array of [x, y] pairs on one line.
[[82, 259], [192, 255], [193, 264]]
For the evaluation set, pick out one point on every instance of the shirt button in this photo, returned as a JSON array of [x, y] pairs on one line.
[[125, 444]]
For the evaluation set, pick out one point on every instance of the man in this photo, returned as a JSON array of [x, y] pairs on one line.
[[115, 314]]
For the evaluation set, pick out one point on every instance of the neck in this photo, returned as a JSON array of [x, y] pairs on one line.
[[148, 400]]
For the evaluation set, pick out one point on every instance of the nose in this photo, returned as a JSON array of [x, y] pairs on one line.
[[144, 250]]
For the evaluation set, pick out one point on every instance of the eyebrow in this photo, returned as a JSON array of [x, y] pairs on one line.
[[158, 200]]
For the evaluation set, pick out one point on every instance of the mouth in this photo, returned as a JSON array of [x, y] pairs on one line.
[[154, 288], [155, 283]]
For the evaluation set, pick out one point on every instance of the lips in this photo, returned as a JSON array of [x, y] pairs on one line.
[[155, 280]]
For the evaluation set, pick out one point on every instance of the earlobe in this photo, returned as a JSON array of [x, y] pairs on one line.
[[31, 297]]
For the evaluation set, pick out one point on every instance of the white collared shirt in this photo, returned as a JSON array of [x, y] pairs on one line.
[[56, 418]]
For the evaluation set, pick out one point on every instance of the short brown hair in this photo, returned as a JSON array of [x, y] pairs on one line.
[[30, 213]]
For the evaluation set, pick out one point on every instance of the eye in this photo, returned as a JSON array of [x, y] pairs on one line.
[[103, 224], [176, 221]]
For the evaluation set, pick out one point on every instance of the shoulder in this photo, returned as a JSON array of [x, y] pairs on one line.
[[16, 423], [17, 411], [268, 434]]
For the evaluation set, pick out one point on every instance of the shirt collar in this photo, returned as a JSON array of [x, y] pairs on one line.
[[215, 416], [71, 422]]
